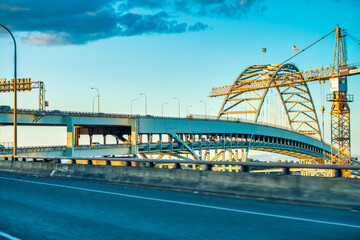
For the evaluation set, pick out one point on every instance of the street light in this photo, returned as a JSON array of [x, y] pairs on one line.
[[187, 110], [209, 112], [162, 108], [93, 103], [98, 96], [178, 104], [143, 94], [136, 99], [15, 95], [205, 107]]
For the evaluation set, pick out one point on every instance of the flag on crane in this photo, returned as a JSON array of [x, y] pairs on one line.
[[295, 48], [263, 49]]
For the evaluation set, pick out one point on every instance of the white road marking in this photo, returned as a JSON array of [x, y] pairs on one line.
[[187, 203], [5, 235]]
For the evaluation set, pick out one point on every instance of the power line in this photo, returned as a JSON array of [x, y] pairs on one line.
[[354, 38], [308, 46]]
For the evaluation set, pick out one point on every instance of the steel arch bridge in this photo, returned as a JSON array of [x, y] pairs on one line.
[[295, 99]]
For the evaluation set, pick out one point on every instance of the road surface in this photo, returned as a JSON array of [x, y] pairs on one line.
[[46, 208]]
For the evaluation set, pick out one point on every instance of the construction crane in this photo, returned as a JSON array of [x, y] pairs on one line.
[[337, 74]]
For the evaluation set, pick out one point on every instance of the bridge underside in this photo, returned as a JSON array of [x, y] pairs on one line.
[[187, 146]]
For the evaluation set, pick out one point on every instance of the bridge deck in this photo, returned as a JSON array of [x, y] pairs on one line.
[[183, 134]]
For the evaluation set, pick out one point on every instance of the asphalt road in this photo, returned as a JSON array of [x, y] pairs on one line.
[[45, 208]]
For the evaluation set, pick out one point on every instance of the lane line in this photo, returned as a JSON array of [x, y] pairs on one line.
[[186, 203], [8, 236]]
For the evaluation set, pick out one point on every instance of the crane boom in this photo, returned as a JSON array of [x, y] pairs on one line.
[[318, 74]]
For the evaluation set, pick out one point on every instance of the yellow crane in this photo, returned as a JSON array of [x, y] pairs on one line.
[[337, 73]]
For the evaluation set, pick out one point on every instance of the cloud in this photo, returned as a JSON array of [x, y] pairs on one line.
[[47, 39], [199, 26], [137, 24], [216, 8], [78, 22]]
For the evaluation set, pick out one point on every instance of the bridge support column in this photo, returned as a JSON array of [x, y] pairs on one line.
[[70, 136], [134, 136], [77, 136], [91, 139]]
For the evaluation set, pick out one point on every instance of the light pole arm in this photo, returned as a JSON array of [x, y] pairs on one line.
[[131, 104]]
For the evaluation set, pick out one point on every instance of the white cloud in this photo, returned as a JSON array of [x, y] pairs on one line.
[[46, 39], [12, 9]]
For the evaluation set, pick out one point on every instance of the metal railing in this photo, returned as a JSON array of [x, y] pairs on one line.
[[67, 113], [204, 165], [6, 145]]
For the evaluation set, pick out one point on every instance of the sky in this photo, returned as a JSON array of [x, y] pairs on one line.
[[164, 49]]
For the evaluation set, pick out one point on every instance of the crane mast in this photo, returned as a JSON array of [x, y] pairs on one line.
[[340, 111]]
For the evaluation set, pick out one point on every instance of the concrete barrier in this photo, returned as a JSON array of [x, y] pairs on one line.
[[330, 192]]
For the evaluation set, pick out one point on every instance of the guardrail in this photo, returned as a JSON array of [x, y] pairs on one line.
[[207, 165]]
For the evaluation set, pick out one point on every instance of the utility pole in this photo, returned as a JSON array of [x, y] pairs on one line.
[[15, 94]]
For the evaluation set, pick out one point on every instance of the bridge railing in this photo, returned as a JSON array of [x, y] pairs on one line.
[[287, 168], [6, 145], [242, 120], [234, 119]]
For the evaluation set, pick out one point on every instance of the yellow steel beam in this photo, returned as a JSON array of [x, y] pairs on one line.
[[240, 112], [282, 80], [319, 74]]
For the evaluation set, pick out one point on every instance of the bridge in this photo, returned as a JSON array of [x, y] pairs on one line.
[[184, 138]]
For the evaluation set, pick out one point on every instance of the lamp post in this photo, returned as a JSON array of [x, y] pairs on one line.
[[178, 104], [15, 94], [205, 107], [93, 103], [187, 110], [209, 112], [162, 108], [143, 94], [136, 99], [98, 96]]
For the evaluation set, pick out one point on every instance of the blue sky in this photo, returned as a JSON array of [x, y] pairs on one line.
[[164, 49]]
